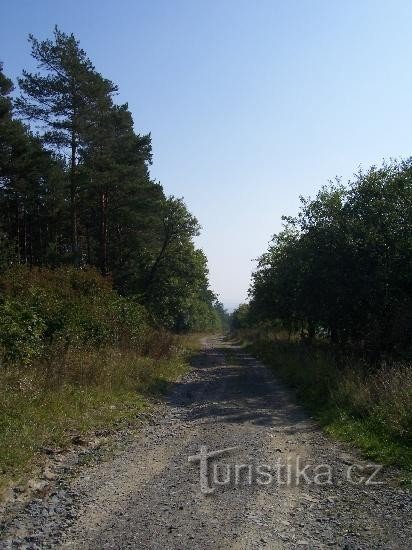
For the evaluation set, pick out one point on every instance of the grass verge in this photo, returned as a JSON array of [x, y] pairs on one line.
[[78, 392], [371, 409]]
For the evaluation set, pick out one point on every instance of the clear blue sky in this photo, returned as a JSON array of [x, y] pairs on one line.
[[250, 103]]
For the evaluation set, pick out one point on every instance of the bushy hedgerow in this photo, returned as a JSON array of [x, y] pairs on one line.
[[75, 307]]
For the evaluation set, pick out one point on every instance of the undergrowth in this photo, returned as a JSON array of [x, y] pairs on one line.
[[94, 389], [368, 407], [75, 357]]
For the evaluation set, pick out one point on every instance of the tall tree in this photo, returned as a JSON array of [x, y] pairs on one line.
[[64, 98], [178, 226], [343, 266], [30, 180], [88, 198], [116, 165]]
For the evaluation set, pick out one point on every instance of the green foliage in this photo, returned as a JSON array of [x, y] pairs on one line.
[[41, 307], [177, 288], [342, 268], [30, 186], [74, 356], [95, 261], [222, 315], [21, 332], [80, 193], [240, 318]]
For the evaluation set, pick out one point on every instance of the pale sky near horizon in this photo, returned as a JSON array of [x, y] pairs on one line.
[[250, 103]]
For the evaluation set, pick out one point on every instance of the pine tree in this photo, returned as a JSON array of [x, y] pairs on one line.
[[64, 100], [29, 178]]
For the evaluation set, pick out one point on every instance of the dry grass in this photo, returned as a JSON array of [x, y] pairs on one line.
[[78, 391], [385, 396]]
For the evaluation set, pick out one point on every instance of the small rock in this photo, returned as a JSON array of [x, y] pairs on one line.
[[78, 440], [49, 475], [37, 485]]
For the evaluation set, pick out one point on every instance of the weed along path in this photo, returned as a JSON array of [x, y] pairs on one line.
[[228, 462]]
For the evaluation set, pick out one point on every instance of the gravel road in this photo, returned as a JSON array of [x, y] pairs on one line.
[[149, 493]]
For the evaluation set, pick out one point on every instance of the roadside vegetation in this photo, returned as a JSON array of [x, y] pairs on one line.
[[331, 309], [100, 278], [76, 357], [369, 408]]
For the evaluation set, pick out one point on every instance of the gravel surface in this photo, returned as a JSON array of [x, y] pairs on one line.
[[148, 493]]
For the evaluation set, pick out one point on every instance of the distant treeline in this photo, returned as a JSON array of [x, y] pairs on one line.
[[75, 190], [342, 269]]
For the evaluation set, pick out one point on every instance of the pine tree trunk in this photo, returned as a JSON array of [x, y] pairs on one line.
[[73, 205], [89, 259], [18, 234], [103, 232], [25, 235]]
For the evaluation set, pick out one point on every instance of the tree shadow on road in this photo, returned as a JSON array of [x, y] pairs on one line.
[[227, 385]]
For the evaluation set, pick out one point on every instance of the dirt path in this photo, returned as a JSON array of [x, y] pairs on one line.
[[149, 494]]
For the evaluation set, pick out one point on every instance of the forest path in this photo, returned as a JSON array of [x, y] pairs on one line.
[[149, 495]]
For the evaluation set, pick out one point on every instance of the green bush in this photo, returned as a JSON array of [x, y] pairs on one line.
[[67, 305], [21, 332]]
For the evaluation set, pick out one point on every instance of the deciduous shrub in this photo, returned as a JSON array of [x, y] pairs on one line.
[[73, 307]]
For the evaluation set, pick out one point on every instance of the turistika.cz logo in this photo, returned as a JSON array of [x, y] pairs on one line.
[[285, 471]]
